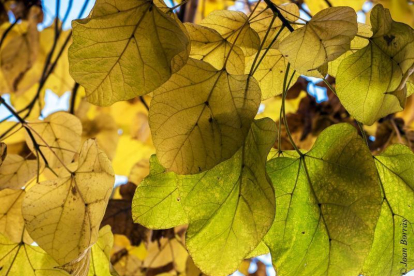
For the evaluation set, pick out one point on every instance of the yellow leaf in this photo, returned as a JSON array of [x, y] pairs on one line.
[[270, 72], [262, 18], [165, 251], [96, 261], [195, 135], [18, 56], [208, 45], [59, 137], [359, 42], [105, 130], [11, 219], [316, 6], [128, 153], [139, 171], [59, 81], [324, 38], [118, 39], [16, 171], [22, 100], [63, 215], [22, 259], [235, 28]]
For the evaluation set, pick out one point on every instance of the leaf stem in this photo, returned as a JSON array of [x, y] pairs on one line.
[[268, 48], [285, 89], [361, 128], [281, 17], [329, 86], [73, 98], [144, 103], [261, 46]]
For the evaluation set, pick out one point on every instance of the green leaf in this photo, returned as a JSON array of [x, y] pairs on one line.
[[235, 28], [368, 79], [23, 259], [324, 38], [63, 215], [157, 202], [327, 205], [100, 253], [125, 49], [201, 116], [394, 235], [230, 207], [261, 249], [208, 45]]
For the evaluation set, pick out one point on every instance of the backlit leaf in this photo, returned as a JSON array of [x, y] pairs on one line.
[[100, 263], [16, 171], [154, 195], [19, 55], [270, 72], [328, 203], [367, 79], [317, 5], [59, 137], [24, 259], [394, 235], [359, 42], [208, 45], [11, 219], [195, 135], [120, 40], [262, 18], [324, 38], [63, 215], [229, 208], [235, 28]]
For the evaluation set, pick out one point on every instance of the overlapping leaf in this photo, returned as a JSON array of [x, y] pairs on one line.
[[156, 194], [229, 208], [270, 72], [58, 136], [63, 215], [324, 38], [328, 203], [235, 28], [201, 117], [100, 262], [359, 42], [371, 82], [263, 17], [11, 219], [20, 53], [16, 171], [120, 39], [208, 45], [24, 259], [394, 235]]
